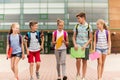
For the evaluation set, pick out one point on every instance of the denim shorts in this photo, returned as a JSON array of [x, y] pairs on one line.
[[102, 51], [17, 55]]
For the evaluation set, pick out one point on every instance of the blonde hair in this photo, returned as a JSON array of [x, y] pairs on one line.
[[59, 21], [101, 21], [11, 27]]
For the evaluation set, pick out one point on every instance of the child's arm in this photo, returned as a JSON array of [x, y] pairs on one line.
[[26, 47], [42, 43], [74, 40], [67, 40], [7, 47], [88, 42], [22, 46], [53, 39], [94, 41], [109, 42]]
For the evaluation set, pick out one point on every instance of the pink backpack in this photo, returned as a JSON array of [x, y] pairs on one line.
[[55, 35]]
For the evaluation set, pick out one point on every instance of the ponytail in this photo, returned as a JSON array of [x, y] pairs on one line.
[[11, 31], [58, 21], [104, 26]]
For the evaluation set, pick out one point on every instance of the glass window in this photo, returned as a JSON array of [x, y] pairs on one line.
[[1, 16], [11, 1], [31, 1], [48, 11], [12, 11]]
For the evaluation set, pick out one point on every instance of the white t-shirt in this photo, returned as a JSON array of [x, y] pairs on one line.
[[34, 44], [59, 34]]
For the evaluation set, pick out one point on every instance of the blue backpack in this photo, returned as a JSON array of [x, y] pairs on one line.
[[38, 36]]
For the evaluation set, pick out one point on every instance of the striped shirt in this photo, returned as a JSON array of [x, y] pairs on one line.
[[102, 42]]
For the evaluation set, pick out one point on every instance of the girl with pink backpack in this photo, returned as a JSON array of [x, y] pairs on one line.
[[60, 40]]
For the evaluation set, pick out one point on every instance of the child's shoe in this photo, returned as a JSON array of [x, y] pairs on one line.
[[37, 75], [65, 78]]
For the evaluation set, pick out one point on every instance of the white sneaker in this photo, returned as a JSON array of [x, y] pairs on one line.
[[83, 78], [78, 77]]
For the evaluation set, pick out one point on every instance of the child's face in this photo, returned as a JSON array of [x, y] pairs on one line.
[[34, 27], [80, 19], [99, 25], [61, 25], [16, 28]]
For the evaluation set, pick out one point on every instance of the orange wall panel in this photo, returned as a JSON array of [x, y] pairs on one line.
[[114, 13]]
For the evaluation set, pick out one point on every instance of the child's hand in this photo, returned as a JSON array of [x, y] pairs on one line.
[[41, 48], [76, 47], [23, 56], [93, 50], [109, 51], [54, 43], [83, 48], [6, 57], [63, 41]]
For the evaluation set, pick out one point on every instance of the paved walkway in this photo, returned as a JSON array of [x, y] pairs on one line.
[[48, 68]]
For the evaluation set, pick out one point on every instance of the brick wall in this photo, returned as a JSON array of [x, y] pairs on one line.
[[114, 20], [115, 42]]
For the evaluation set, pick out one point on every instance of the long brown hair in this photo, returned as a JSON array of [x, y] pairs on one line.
[[105, 26]]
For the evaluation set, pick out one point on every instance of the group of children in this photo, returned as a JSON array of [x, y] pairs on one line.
[[82, 36]]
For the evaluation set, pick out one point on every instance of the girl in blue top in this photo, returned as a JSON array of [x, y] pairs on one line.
[[14, 40]]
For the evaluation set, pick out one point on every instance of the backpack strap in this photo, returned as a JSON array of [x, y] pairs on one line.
[[76, 27], [55, 35], [29, 36], [65, 35], [38, 36], [106, 31], [9, 40], [97, 35], [88, 29], [28, 40], [20, 39]]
